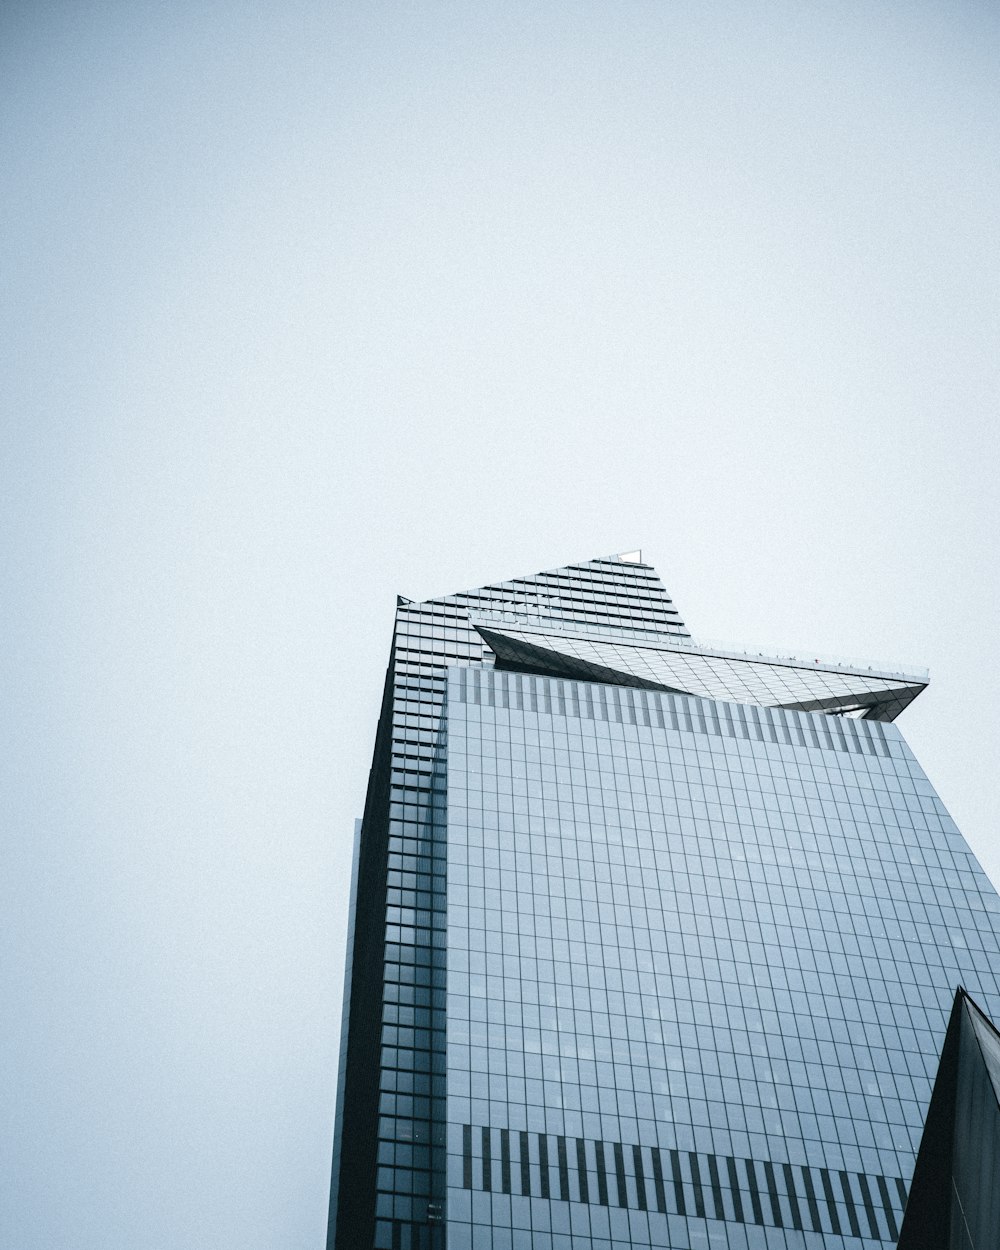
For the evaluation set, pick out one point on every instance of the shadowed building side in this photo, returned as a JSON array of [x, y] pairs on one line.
[[954, 1201]]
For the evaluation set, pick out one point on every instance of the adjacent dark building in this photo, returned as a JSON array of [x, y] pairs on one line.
[[955, 1194], [652, 943]]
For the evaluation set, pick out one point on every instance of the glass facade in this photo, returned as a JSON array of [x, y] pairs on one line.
[[634, 967]]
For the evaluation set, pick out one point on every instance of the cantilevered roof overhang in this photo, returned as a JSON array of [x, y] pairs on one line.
[[684, 667]]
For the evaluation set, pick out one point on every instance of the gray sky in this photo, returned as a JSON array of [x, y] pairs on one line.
[[309, 304]]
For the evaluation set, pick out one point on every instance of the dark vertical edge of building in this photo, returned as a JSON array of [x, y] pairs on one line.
[[602, 1174], [716, 1187], [699, 1195], [640, 1177], [675, 1168], [505, 1161], [890, 1214], [543, 1163], [852, 1214], [525, 1166], [734, 1189], [352, 1224], [793, 1197], [661, 1193], [563, 1168], [466, 1156], [616, 1148], [831, 1201], [487, 1160], [338, 1121], [758, 1210], [811, 1202], [581, 1169]]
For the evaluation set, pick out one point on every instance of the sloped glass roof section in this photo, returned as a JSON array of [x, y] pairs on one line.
[[607, 595], [664, 663]]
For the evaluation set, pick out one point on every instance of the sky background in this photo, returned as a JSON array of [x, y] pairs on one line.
[[307, 305]]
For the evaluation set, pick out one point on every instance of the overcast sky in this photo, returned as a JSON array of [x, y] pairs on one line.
[[308, 304]]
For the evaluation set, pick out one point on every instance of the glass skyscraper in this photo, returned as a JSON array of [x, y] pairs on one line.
[[652, 943]]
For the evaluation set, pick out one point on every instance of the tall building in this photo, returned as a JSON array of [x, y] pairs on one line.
[[652, 943]]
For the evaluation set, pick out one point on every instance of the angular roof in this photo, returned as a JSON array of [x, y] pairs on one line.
[[611, 620], [686, 668]]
